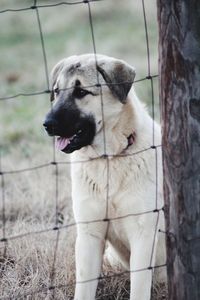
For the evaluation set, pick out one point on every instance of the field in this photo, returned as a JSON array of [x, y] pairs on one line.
[[34, 199]]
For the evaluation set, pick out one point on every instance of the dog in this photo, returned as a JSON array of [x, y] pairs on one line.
[[116, 173]]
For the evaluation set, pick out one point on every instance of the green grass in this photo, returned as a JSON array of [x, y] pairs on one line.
[[119, 32]]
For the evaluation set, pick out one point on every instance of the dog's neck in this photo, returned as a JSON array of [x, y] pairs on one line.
[[118, 139]]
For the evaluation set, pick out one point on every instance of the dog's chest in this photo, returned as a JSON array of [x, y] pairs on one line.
[[113, 184], [105, 177]]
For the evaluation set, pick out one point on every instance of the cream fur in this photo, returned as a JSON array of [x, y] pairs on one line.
[[121, 184], [131, 190]]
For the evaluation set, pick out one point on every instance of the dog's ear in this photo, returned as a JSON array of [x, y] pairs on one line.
[[54, 75], [119, 77]]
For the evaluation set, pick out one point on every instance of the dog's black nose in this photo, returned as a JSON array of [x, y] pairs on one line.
[[51, 126]]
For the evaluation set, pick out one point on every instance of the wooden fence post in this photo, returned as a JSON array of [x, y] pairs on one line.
[[179, 71]]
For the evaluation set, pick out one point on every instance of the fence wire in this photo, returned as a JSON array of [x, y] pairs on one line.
[[4, 240]]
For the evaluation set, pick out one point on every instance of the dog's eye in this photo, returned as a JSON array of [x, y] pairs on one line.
[[56, 91], [80, 93]]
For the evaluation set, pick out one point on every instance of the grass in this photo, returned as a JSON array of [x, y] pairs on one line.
[[30, 196]]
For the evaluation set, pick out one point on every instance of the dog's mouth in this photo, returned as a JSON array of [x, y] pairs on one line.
[[72, 134], [66, 143], [81, 138]]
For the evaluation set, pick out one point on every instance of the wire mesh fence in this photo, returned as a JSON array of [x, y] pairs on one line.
[[53, 286]]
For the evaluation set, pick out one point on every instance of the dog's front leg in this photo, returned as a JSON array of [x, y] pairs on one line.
[[89, 255], [142, 255]]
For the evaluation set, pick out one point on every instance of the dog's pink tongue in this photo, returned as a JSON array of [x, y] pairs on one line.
[[62, 142]]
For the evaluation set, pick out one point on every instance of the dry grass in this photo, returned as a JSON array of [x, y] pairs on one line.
[[27, 265]]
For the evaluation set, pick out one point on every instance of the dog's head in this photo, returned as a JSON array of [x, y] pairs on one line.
[[86, 91]]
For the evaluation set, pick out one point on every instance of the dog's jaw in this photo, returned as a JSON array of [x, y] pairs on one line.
[[84, 137]]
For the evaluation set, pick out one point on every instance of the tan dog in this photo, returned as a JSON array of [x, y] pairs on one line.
[[97, 116]]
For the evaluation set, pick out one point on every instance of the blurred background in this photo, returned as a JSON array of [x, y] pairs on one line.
[[119, 32], [30, 196]]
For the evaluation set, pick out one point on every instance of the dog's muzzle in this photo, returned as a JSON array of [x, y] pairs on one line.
[[71, 134]]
